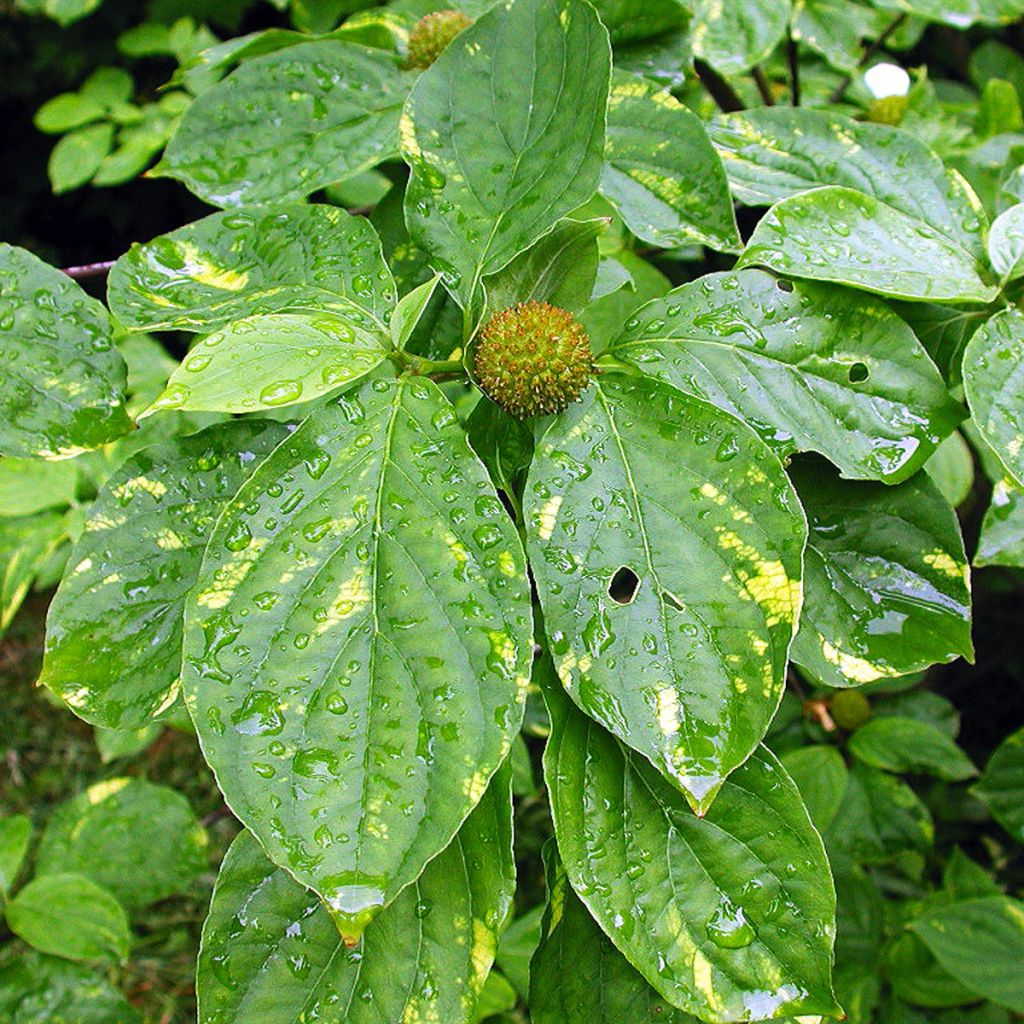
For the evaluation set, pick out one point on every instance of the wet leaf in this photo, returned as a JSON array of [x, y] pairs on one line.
[[1006, 243], [886, 579], [669, 599], [662, 173], [141, 842], [357, 652], [734, 35], [505, 135], [288, 123], [271, 952], [837, 234], [1001, 787], [898, 744], [810, 367], [70, 916], [994, 383], [244, 263], [62, 385], [730, 916], [114, 627]]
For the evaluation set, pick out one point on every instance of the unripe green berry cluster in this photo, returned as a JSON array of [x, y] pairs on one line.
[[533, 359], [432, 34]]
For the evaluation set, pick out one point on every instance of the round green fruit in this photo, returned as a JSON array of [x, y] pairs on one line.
[[533, 359], [431, 34]]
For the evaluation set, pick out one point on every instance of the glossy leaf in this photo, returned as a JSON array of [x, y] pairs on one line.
[[821, 776], [994, 383], [505, 135], [264, 362], [357, 651], [69, 915], [577, 976], [772, 153], [686, 663], [734, 35], [810, 367], [409, 310], [15, 833], [62, 380], [288, 123], [1006, 243], [951, 468], [839, 235], [271, 952], [1001, 541], [981, 943], [898, 744], [139, 841], [1001, 787], [731, 916], [887, 581], [960, 13], [248, 262], [662, 173], [114, 627], [631, 20], [31, 485]]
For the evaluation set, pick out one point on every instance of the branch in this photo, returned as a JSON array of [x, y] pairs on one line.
[[877, 45], [87, 270], [721, 91], [764, 87], [794, 70]]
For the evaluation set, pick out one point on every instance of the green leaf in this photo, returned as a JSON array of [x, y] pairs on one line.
[[66, 111], [139, 841], [833, 28], [409, 310], [731, 916], [271, 952], [516, 948], [662, 173], [61, 391], [1006, 243], [70, 916], [810, 367], [898, 744], [244, 263], [64, 12], [78, 155], [837, 234], [951, 468], [497, 997], [981, 943], [579, 977], [15, 833], [114, 627], [670, 599], [887, 580], [288, 123], [505, 135], [923, 706], [360, 635], [114, 744], [30, 485], [1001, 787], [26, 543], [276, 359], [994, 384], [821, 776], [959, 13], [1001, 541], [772, 153], [918, 978], [632, 20], [734, 35]]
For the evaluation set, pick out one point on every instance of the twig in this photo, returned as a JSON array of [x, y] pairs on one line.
[[764, 87], [877, 45], [721, 91], [818, 709], [794, 70], [87, 270]]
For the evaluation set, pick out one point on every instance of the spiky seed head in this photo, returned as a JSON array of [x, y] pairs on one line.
[[888, 110], [533, 359], [431, 34]]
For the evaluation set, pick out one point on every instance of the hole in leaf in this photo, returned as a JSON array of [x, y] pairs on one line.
[[784, 286], [671, 599], [858, 372], [624, 585]]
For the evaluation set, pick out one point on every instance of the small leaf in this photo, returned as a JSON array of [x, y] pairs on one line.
[[662, 173], [288, 123], [731, 916], [505, 135], [1001, 541], [26, 544], [66, 111], [409, 310], [669, 598], [31, 485], [114, 627], [62, 390], [837, 234], [271, 952], [810, 367], [78, 155], [994, 384], [898, 744], [981, 943], [888, 586], [360, 635], [1006, 243], [1001, 787], [15, 833], [139, 841], [248, 262], [821, 776], [734, 35], [114, 744], [70, 916]]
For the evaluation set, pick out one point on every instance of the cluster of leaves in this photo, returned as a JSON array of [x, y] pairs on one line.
[[367, 583]]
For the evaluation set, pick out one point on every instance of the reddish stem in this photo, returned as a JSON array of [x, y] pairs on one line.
[[88, 270]]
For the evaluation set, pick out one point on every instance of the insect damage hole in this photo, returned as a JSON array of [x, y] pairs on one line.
[[858, 372], [624, 585]]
